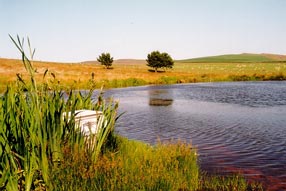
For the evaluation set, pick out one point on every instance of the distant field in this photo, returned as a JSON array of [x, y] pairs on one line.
[[135, 72], [238, 58]]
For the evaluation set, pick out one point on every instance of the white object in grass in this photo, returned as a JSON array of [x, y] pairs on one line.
[[88, 121]]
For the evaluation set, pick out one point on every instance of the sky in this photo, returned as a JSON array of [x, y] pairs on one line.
[[80, 30]]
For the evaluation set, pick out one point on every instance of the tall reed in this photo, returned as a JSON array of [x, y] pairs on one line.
[[34, 131]]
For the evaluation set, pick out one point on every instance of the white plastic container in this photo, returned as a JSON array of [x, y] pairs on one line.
[[87, 120]]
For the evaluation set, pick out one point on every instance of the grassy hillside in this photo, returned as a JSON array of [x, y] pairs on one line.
[[238, 58], [135, 72]]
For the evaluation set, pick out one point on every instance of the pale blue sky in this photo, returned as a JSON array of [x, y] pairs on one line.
[[80, 30]]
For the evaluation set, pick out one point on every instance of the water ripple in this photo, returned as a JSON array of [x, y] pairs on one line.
[[237, 127]]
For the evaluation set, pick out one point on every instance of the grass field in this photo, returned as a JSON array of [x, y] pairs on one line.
[[238, 58], [135, 72]]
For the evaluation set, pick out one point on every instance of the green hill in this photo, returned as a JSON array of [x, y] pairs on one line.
[[238, 58]]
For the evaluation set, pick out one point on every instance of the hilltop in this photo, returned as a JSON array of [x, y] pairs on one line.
[[238, 58]]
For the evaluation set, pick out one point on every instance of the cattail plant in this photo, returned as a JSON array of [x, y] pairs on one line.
[[33, 130]]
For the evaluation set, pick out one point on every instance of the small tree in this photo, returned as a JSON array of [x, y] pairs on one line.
[[159, 60], [105, 59]]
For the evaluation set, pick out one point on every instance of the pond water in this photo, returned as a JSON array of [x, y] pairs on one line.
[[237, 126]]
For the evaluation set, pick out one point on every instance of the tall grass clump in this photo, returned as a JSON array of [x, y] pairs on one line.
[[120, 83], [34, 130], [167, 80], [227, 183], [133, 166]]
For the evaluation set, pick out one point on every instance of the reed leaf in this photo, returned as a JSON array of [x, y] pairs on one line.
[[34, 131]]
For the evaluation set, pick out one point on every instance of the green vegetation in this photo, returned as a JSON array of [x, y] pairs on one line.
[[105, 59], [237, 58], [123, 83], [34, 130], [159, 60], [235, 182], [40, 149], [132, 165], [216, 72]]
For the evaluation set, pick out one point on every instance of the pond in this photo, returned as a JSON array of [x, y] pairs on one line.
[[236, 126]]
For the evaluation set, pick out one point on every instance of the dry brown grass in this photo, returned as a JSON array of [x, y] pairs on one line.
[[276, 57], [79, 74], [68, 73]]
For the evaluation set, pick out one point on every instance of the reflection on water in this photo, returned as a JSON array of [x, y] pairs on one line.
[[160, 102], [159, 97], [237, 127]]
